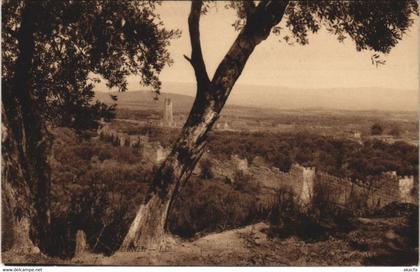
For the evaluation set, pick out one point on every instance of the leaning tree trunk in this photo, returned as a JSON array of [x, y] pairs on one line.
[[148, 229], [25, 169]]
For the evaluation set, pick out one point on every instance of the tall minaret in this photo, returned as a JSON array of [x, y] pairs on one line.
[[168, 117]]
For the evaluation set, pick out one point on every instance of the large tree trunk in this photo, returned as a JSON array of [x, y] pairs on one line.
[[148, 229], [25, 171], [15, 197]]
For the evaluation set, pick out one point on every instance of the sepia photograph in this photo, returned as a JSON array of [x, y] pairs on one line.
[[203, 133]]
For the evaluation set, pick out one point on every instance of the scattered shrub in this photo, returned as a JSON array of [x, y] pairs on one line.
[[206, 169], [396, 209], [376, 129]]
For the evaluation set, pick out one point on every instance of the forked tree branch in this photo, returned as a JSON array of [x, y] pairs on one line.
[[266, 15], [196, 59], [257, 28], [249, 7]]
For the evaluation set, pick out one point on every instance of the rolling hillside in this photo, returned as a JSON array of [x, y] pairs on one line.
[[144, 100], [282, 98]]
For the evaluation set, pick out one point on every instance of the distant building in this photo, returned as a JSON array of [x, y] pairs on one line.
[[168, 117], [406, 186], [357, 136]]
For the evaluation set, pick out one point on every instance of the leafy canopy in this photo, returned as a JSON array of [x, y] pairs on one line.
[[75, 40], [375, 25]]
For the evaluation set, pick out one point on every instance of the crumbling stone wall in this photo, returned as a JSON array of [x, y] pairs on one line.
[[299, 180], [308, 184], [305, 182], [150, 150], [344, 192], [359, 195]]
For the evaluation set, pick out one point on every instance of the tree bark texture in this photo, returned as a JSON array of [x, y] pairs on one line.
[[15, 198], [26, 143], [148, 229]]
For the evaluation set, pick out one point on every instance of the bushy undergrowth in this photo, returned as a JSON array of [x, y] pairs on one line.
[[206, 168], [339, 157], [205, 206], [97, 188], [312, 222], [402, 247]]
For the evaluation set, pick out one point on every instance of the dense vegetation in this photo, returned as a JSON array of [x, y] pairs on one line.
[[208, 205], [339, 157], [334, 123], [97, 186]]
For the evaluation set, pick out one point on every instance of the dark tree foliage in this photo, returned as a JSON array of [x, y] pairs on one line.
[[52, 51], [375, 25], [376, 129], [338, 157], [76, 40], [395, 131]]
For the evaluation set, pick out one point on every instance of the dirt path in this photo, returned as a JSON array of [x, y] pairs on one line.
[[373, 238]]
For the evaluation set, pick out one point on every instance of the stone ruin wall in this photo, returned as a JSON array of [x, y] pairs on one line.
[[117, 138], [304, 182], [298, 180], [309, 185], [356, 195], [150, 150]]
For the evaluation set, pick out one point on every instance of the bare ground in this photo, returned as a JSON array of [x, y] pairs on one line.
[[373, 242]]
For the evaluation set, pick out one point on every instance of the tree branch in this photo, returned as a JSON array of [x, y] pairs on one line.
[[266, 15], [249, 7], [188, 59], [196, 59], [257, 28]]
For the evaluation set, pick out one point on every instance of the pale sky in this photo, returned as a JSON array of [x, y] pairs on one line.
[[324, 63]]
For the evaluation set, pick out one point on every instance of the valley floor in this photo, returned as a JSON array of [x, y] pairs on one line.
[[374, 242]]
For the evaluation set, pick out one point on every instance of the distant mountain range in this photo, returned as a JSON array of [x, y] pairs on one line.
[[138, 100], [360, 99]]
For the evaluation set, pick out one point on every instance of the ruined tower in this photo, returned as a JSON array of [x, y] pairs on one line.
[[168, 117], [307, 185]]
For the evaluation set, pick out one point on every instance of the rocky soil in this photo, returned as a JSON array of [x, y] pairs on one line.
[[374, 241]]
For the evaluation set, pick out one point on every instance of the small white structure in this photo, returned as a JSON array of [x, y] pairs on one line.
[[406, 185], [241, 164], [161, 154]]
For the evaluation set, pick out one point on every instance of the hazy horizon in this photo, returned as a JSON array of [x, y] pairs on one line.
[[319, 67], [280, 97]]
